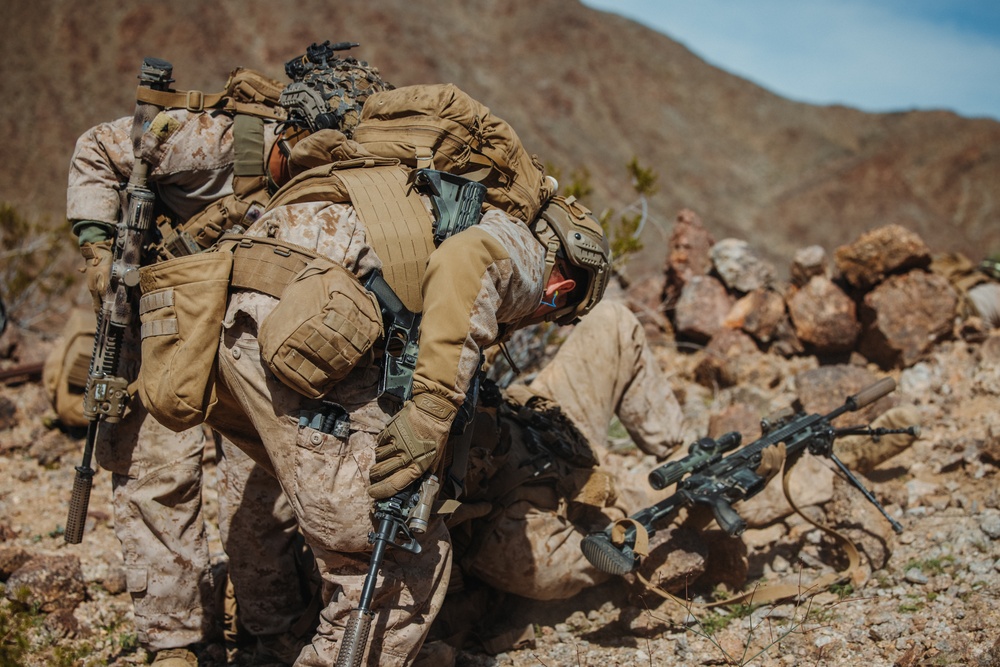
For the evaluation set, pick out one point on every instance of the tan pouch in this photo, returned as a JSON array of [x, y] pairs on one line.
[[325, 323], [68, 365], [181, 309]]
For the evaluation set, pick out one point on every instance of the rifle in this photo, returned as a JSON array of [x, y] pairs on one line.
[[398, 518], [106, 394], [718, 481]]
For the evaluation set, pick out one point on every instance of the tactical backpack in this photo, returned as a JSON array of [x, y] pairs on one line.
[[65, 372], [441, 127]]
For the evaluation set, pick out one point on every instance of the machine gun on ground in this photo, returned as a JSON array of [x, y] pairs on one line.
[[706, 477]]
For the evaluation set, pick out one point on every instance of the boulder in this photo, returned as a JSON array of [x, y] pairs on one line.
[[905, 316], [822, 389], [701, 308], [739, 417], [825, 319], [880, 252], [11, 559], [687, 254], [759, 313], [726, 352], [739, 267], [808, 262], [52, 583], [677, 556], [645, 299]]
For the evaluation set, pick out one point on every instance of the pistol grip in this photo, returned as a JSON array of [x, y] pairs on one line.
[[726, 517]]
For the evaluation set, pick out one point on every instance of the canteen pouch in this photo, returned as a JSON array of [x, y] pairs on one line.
[[182, 307], [323, 326]]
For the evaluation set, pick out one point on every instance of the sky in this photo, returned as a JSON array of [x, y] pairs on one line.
[[873, 55]]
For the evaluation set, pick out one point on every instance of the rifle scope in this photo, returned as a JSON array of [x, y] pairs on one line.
[[702, 452]]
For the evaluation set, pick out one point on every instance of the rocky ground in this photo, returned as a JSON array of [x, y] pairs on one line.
[[933, 603]]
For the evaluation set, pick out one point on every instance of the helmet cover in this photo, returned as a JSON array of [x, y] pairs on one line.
[[328, 91]]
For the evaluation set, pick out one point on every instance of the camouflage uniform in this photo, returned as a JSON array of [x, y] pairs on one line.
[[326, 478], [541, 505], [157, 474]]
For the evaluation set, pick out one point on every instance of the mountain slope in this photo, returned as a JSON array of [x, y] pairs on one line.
[[583, 89]]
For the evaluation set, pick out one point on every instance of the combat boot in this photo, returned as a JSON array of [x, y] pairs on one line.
[[175, 657]]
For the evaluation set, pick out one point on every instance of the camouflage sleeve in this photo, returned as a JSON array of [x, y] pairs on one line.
[[102, 161], [486, 276]]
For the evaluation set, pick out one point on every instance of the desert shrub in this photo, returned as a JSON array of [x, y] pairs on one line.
[[35, 264]]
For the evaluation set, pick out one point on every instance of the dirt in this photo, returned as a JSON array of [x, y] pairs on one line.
[[933, 603]]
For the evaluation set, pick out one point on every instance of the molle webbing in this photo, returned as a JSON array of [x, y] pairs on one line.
[[264, 264], [398, 225]]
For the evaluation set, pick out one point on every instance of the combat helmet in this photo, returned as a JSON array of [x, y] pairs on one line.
[[328, 91], [569, 231]]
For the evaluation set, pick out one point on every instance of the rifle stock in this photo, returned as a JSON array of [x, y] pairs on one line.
[[718, 482]]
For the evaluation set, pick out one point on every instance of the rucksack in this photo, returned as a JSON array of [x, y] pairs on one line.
[[439, 126], [64, 375]]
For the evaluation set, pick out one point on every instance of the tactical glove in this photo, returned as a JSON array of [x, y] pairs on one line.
[[97, 269], [411, 444]]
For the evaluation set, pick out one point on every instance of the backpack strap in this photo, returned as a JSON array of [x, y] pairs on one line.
[[247, 92]]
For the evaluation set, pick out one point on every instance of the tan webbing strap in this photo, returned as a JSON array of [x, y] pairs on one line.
[[158, 328], [399, 227], [853, 569], [155, 301], [781, 590], [255, 109], [192, 100], [195, 100], [263, 264]]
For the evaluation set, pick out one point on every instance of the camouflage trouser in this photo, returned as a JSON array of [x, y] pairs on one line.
[[261, 539], [157, 478], [157, 482], [326, 480], [605, 368], [531, 546]]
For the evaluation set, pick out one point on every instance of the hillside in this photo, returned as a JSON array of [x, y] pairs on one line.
[[583, 88]]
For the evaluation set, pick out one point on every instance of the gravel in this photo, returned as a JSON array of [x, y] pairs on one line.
[[934, 603]]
